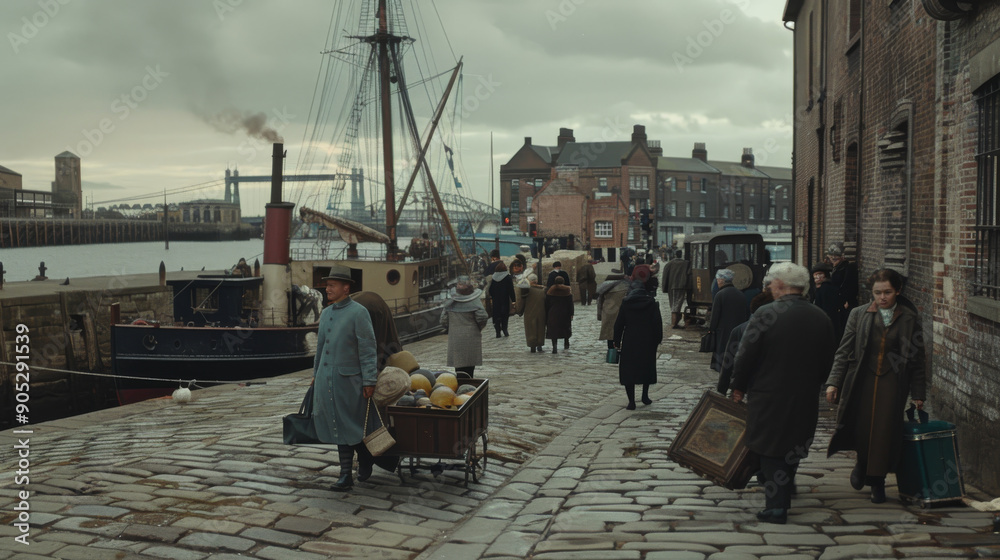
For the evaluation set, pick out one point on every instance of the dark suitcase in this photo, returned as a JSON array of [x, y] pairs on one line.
[[712, 442], [929, 471]]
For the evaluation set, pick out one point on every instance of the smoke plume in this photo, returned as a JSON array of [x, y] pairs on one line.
[[232, 121]]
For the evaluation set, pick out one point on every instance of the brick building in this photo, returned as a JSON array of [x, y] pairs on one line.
[[696, 195], [897, 105], [618, 180], [613, 179]]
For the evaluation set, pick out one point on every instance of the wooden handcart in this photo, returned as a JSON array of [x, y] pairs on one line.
[[436, 433]]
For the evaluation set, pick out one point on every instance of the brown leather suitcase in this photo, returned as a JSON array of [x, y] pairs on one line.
[[712, 442]]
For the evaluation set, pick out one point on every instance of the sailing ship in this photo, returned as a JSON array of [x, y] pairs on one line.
[[234, 329]]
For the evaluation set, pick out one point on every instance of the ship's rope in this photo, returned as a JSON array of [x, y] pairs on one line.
[[190, 383]]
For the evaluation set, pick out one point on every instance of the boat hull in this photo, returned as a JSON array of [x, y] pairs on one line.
[[151, 361]]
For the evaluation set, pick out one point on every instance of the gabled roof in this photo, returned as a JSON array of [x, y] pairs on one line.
[[779, 173], [6, 171], [594, 154], [736, 169], [545, 152], [67, 154], [685, 165]]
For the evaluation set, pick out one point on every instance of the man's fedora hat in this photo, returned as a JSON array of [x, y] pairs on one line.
[[339, 272]]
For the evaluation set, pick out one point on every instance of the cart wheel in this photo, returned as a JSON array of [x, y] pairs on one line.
[[474, 462]]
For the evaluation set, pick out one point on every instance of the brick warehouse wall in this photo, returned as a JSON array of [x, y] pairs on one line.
[[908, 73], [966, 352]]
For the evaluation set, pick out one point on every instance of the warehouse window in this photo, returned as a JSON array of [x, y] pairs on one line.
[[602, 230], [986, 281]]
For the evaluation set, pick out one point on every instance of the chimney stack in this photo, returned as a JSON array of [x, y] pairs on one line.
[[527, 140], [639, 134], [747, 159], [655, 149], [699, 151], [565, 135]]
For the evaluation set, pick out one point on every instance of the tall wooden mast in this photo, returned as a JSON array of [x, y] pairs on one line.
[[383, 40]]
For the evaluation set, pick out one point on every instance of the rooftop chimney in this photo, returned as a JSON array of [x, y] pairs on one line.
[[699, 151], [655, 148], [565, 135], [747, 159], [638, 134], [527, 140]]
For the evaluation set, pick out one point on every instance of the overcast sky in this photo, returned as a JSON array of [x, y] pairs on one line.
[[156, 76]]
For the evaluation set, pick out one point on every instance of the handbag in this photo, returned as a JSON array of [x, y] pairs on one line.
[[707, 342], [380, 440], [612, 357], [299, 428]]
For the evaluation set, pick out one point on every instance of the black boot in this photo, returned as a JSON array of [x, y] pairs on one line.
[[346, 481], [857, 477], [554, 351], [365, 462], [497, 327], [878, 489], [565, 343], [534, 349], [645, 395]]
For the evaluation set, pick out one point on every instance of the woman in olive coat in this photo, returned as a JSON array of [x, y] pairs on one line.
[[880, 361], [638, 334], [530, 305]]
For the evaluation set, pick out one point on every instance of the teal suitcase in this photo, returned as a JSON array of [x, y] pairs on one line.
[[929, 470]]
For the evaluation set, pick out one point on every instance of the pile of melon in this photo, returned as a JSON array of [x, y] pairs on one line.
[[440, 390]]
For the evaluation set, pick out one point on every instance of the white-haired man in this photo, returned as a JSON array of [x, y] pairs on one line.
[[786, 354]]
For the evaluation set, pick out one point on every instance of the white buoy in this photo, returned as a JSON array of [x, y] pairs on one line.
[[182, 395]]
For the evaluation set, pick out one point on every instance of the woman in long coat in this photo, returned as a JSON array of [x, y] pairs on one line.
[[464, 316], [880, 361], [530, 305], [638, 333], [610, 294], [729, 308], [502, 295], [559, 313]]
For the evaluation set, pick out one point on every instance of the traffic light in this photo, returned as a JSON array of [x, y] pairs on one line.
[[505, 216]]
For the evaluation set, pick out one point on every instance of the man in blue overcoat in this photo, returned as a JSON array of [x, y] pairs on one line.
[[344, 375]]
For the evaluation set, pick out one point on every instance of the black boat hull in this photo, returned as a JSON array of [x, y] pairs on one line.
[[152, 361]]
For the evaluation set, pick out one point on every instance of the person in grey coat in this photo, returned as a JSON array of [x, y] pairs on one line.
[[785, 358], [345, 371], [464, 316], [729, 308], [676, 279]]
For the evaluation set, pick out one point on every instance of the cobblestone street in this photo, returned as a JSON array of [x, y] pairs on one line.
[[571, 474]]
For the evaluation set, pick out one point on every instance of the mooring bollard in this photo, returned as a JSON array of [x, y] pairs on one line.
[[2, 272]]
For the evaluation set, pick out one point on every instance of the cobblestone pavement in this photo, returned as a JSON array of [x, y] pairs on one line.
[[571, 475]]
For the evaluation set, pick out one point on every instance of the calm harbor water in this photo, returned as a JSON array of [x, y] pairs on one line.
[[77, 261]]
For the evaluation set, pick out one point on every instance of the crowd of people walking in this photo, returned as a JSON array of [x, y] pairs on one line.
[[775, 352]]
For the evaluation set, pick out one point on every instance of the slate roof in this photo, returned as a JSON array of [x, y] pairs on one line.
[[737, 169], [68, 154], [8, 171], [779, 173], [685, 165], [594, 154], [545, 152]]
